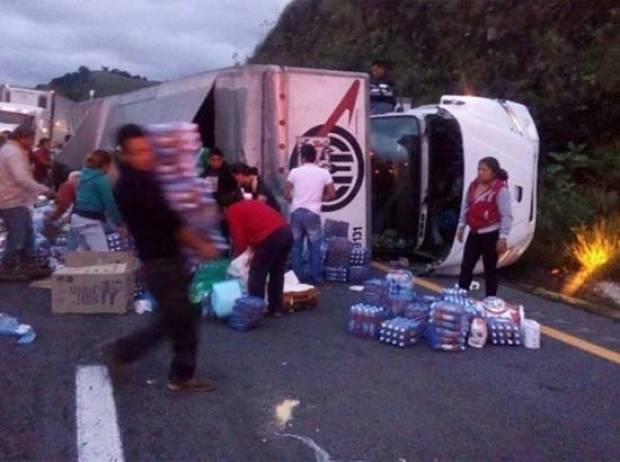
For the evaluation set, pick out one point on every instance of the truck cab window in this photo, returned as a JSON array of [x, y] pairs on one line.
[[395, 143]]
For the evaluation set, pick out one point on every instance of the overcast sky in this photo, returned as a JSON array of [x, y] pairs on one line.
[[159, 39]]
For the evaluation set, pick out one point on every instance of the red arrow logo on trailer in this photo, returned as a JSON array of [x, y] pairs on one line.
[[347, 103]]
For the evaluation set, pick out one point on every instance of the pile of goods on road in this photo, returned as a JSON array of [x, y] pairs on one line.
[[394, 314]]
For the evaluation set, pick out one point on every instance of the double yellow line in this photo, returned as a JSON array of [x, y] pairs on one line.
[[555, 334]]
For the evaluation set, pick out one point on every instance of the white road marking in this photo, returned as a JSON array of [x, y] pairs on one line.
[[98, 435]]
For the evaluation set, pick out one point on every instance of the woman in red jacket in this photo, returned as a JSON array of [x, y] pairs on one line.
[[254, 224], [487, 212]]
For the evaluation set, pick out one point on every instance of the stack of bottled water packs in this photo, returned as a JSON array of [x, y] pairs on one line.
[[448, 326], [176, 145], [359, 265], [376, 292], [334, 228], [246, 314], [337, 259], [365, 320], [504, 332], [401, 332], [400, 291]]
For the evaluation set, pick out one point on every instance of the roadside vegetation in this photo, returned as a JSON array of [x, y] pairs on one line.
[[561, 59]]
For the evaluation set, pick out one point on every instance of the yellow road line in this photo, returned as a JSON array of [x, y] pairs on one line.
[[555, 334], [581, 344]]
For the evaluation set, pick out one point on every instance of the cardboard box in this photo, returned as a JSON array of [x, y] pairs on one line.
[[94, 283]]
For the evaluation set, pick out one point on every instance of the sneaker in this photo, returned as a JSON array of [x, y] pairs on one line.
[[193, 385]]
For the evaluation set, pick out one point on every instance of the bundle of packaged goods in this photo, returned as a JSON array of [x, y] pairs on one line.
[[337, 259], [176, 145], [376, 292], [400, 281], [359, 261], [365, 320], [400, 291], [503, 332], [401, 332], [503, 321], [338, 251], [448, 327], [117, 243], [449, 323], [334, 228], [359, 274], [246, 314], [419, 309], [336, 273], [359, 256]]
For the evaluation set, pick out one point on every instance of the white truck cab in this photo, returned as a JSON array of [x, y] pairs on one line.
[[422, 162], [12, 115]]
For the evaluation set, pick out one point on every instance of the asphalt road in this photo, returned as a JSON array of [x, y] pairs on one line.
[[359, 400]]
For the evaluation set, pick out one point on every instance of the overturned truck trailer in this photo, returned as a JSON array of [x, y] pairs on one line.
[[255, 114]]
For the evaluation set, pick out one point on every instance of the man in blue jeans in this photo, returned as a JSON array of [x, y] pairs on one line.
[[306, 188], [18, 192]]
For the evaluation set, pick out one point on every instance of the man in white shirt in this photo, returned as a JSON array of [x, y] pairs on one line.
[[18, 192], [306, 188]]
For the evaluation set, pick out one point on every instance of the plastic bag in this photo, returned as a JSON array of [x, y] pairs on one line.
[[11, 326], [240, 267]]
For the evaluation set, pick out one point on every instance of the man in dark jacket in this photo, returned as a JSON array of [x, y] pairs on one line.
[[252, 185], [159, 234], [218, 174], [382, 90]]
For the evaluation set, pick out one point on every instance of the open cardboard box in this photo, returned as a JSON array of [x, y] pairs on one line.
[[94, 283]]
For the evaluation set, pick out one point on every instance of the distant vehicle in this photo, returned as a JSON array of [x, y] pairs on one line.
[[422, 162], [12, 115], [40, 109]]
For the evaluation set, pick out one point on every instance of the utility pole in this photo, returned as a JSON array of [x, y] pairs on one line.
[[52, 114]]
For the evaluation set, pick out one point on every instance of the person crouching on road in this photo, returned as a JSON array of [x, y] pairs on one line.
[[487, 211], [159, 233], [18, 192], [254, 224], [94, 203]]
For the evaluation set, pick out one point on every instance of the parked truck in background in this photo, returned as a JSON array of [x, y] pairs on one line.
[[42, 110]]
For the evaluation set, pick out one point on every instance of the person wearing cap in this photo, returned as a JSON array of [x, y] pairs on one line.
[[18, 193]]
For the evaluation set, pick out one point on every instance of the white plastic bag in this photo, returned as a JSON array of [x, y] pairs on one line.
[[240, 267]]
